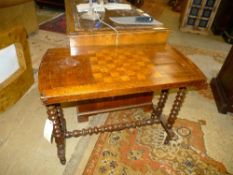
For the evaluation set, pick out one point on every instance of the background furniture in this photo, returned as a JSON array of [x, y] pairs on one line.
[[58, 3], [197, 15], [223, 22], [176, 5], [20, 81], [61, 3], [18, 12], [222, 86], [137, 3]]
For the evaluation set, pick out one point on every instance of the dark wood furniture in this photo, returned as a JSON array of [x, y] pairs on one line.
[[57, 3], [222, 86], [223, 22], [176, 4], [104, 70]]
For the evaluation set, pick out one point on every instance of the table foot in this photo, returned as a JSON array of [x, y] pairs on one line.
[[56, 116], [173, 114], [170, 136], [61, 153]]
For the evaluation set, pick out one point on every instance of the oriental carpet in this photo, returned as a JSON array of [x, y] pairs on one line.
[[141, 151]]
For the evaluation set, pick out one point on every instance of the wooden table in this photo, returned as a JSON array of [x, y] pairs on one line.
[[86, 38], [104, 70], [114, 71], [84, 33]]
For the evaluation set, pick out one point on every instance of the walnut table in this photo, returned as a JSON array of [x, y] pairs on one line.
[[114, 71], [84, 34]]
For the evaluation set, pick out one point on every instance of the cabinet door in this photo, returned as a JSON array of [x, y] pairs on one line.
[[199, 15]]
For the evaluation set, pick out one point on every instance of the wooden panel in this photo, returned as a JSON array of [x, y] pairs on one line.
[[91, 107], [222, 85], [114, 71], [154, 36], [144, 37], [84, 33], [16, 85]]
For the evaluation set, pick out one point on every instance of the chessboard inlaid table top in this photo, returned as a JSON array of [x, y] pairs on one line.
[[114, 71]]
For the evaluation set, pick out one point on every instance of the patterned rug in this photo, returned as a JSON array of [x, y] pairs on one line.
[[141, 151], [57, 24]]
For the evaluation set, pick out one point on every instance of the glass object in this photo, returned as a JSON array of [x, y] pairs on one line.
[[197, 2], [206, 13], [92, 14], [194, 11], [203, 23], [191, 21], [210, 3]]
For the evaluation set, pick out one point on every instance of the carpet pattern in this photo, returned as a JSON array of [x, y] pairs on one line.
[[141, 151]]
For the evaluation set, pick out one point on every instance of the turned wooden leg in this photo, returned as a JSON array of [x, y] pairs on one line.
[[157, 111], [173, 114], [61, 118], [56, 116]]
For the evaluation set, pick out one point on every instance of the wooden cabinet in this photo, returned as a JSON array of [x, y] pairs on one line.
[[198, 15], [223, 22], [222, 85]]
